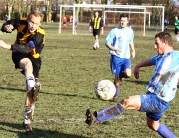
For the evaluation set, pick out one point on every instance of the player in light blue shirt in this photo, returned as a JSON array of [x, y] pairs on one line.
[[165, 78], [119, 41], [160, 90]]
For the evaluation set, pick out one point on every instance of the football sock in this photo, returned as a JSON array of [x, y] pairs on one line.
[[165, 132], [117, 91], [108, 113], [30, 82], [27, 115]]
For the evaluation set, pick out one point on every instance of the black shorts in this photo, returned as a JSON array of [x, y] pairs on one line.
[[36, 62], [176, 30], [96, 32]]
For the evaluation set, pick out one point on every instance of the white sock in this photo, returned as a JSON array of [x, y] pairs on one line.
[[30, 82], [97, 44], [26, 115], [94, 44]]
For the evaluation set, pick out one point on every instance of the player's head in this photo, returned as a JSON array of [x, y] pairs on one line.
[[123, 20], [176, 17], [96, 14], [163, 42], [34, 20]]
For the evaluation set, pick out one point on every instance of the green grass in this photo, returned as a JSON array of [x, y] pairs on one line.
[[69, 72]]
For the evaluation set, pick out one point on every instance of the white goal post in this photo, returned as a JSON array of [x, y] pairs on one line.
[[130, 12], [134, 7], [93, 5]]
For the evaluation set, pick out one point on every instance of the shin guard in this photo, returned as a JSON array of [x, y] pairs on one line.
[[108, 113], [27, 115]]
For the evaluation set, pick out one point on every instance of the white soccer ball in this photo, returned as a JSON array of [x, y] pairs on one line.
[[105, 90]]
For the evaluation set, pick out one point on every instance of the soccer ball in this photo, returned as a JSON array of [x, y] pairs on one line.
[[105, 90]]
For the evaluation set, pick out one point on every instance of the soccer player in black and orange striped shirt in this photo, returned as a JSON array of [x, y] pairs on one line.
[[95, 26], [26, 56]]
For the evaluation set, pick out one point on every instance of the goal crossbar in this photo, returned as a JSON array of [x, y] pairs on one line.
[[74, 6], [129, 12]]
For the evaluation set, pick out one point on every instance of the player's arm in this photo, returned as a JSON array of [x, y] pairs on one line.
[[23, 48], [101, 25], [133, 49], [4, 45], [10, 25], [113, 48], [90, 26], [109, 41], [39, 41], [102, 30], [144, 63]]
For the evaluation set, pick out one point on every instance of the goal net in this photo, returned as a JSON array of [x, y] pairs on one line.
[[144, 20]]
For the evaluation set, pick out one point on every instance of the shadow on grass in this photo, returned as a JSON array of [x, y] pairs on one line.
[[39, 133], [62, 94], [138, 82]]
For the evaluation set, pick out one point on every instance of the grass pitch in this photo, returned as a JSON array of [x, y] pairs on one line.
[[70, 70]]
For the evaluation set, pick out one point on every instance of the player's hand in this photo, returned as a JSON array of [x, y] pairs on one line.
[[90, 29], [4, 45], [133, 54], [136, 72], [8, 28], [117, 51]]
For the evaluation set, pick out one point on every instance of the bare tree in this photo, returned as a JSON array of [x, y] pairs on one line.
[[10, 4], [23, 7]]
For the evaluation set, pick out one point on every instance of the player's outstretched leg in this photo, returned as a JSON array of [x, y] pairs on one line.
[[104, 114]]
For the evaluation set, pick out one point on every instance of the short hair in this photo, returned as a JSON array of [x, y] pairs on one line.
[[123, 15], [36, 13], [165, 36]]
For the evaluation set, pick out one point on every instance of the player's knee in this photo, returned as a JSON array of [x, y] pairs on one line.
[[25, 63], [151, 126], [125, 102], [116, 83], [127, 73]]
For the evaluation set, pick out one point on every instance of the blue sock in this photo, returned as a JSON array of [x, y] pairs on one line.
[[165, 132], [117, 90], [109, 112]]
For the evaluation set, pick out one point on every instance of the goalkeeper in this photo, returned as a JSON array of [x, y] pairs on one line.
[[160, 90], [26, 56]]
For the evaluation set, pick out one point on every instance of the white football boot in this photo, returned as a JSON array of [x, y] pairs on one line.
[[95, 45]]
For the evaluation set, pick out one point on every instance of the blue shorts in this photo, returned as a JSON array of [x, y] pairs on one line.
[[118, 65], [153, 106]]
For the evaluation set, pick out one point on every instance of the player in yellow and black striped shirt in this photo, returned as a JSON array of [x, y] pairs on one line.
[[26, 52], [95, 26]]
